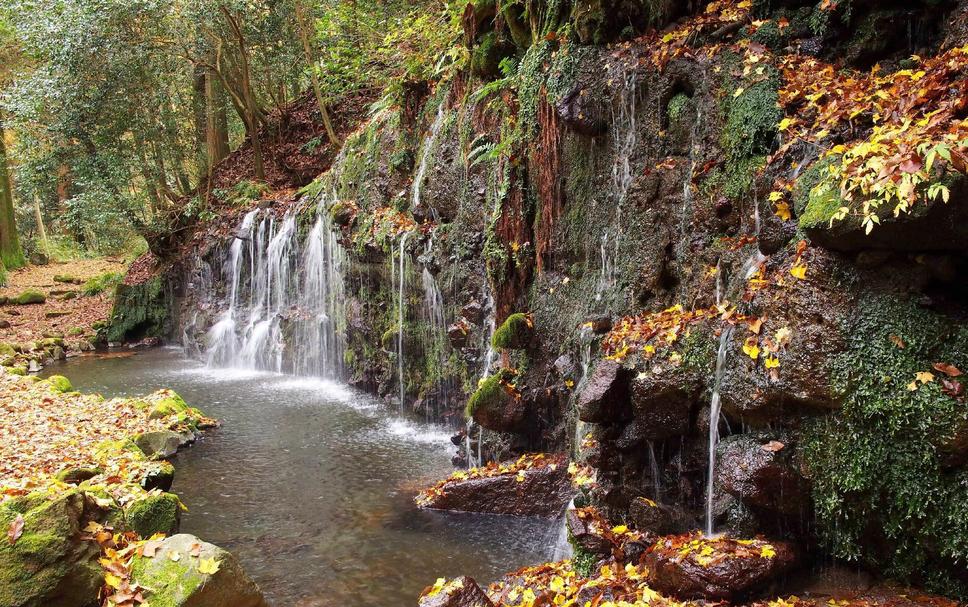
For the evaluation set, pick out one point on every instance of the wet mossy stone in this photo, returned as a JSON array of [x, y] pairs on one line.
[[489, 394], [181, 583], [162, 443], [154, 514], [515, 333], [30, 296], [49, 565], [59, 383]]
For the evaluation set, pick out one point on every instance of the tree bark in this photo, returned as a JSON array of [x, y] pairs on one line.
[[248, 97], [216, 121], [41, 230], [10, 252], [200, 115], [302, 27]]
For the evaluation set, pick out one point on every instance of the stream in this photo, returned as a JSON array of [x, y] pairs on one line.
[[310, 485]]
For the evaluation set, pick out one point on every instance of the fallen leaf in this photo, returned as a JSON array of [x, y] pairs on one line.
[[174, 555], [773, 446], [925, 377], [16, 529], [896, 339], [208, 566], [949, 370]]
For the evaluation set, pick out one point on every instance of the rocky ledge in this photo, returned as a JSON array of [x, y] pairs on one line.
[[532, 485]]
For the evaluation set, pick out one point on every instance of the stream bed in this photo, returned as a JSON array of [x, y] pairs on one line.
[[310, 485]]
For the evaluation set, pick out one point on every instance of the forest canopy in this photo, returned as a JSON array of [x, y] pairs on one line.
[[114, 112]]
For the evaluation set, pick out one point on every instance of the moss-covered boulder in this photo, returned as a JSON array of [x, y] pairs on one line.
[[77, 475], [190, 581], [139, 311], [515, 333], [494, 404], [28, 297], [59, 383], [49, 565], [160, 476], [165, 403], [154, 514]]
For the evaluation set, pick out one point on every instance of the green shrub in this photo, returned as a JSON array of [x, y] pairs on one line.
[[514, 333], [102, 282], [884, 491]]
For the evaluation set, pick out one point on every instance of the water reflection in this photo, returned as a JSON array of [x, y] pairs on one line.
[[311, 485]]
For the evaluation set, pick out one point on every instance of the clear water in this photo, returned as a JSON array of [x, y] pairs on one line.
[[310, 485]]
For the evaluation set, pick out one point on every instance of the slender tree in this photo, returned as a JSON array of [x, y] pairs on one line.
[[10, 252]]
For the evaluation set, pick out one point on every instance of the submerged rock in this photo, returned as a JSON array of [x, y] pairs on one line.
[[182, 583], [459, 592], [722, 568]]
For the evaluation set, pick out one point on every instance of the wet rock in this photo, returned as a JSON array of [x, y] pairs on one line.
[[600, 325], [49, 565], [581, 109], [606, 394], [564, 365], [587, 533], [661, 402], [759, 470], [161, 476], [694, 567], [473, 312], [459, 592], [495, 406], [457, 334], [181, 583], [539, 491], [652, 518]]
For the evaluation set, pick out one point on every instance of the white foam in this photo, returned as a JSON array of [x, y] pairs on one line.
[[419, 433]]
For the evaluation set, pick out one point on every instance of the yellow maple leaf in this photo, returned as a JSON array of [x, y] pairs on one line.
[[751, 349], [783, 211], [799, 270], [767, 552], [620, 529], [785, 124], [772, 362], [925, 377], [208, 566]]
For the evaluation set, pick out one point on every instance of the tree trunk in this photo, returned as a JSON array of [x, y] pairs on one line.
[[302, 27], [200, 115], [10, 252], [252, 114], [41, 230], [216, 121]]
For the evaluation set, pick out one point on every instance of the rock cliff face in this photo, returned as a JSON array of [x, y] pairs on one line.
[[616, 228]]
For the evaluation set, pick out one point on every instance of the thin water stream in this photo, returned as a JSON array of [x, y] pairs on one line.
[[310, 485]]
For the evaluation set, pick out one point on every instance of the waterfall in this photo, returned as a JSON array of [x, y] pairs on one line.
[[714, 411], [284, 303], [624, 136], [435, 341], [428, 148], [559, 546], [654, 470], [402, 277]]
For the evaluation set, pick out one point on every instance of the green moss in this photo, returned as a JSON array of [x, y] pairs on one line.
[[752, 118], [59, 383], [139, 311], [30, 296], [171, 582], [154, 514], [515, 333], [823, 202], [882, 491], [490, 393], [66, 279], [677, 106], [101, 283], [698, 351], [169, 404], [735, 180], [584, 561]]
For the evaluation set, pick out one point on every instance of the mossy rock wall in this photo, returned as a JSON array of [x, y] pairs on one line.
[[142, 310]]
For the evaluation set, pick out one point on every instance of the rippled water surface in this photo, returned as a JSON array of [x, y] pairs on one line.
[[311, 484]]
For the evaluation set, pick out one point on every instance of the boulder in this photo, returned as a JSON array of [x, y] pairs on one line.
[[652, 518], [588, 532], [495, 405], [760, 471], [159, 477], [539, 491], [715, 569], [605, 396], [49, 565], [152, 514], [182, 583], [459, 592], [162, 443]]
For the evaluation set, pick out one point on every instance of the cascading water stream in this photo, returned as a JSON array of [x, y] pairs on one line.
[[290, 318], [428, 147], [402, 278], [714, 412]]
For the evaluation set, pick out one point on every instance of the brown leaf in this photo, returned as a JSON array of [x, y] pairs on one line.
[[896, 339], [16, 529], [773, 446], [949, 370]]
